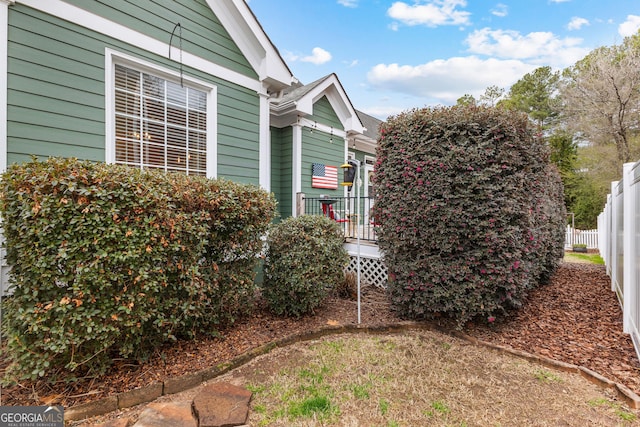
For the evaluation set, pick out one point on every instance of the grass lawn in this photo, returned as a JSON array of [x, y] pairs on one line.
[[418, 379], [582, 257]]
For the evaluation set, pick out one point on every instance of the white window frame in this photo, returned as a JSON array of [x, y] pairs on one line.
[[112, 58]]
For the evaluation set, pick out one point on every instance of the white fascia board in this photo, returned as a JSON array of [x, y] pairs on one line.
[[247, 33], [86, 19]]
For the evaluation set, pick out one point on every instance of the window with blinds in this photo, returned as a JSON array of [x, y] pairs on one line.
[[159, 124]]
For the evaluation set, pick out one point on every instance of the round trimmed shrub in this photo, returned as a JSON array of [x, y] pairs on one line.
[[305, 261], [471, 212]]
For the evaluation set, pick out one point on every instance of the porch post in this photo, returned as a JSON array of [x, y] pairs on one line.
[[296, 168]]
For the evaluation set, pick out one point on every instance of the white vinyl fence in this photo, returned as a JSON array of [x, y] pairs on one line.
[[581, 237], [619, 245]]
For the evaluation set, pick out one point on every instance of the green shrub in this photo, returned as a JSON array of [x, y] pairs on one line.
[[305, 261], [110, 261], [471, 212]]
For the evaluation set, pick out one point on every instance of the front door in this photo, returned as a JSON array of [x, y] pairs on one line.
[[369, 190]]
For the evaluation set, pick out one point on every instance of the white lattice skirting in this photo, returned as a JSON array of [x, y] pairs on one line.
[[372, 271]]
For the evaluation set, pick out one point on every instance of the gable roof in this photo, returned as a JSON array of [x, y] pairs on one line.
[[371, 125], [298, 101], [245, 30]]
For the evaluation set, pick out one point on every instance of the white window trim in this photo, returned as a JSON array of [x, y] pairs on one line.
[[112, 58]]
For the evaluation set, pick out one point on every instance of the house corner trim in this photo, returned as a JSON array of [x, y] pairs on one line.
[[265, 142], [4, 78]]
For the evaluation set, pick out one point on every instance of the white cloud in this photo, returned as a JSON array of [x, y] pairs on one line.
[[384, 111], [318, 56], [351, 64], [576, 23], [431, 14], [630, 26], [348, 3], [559, 1], [501, 10], [444, 81], [537, 47]]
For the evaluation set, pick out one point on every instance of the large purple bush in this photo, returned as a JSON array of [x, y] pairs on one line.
[[471, 211]]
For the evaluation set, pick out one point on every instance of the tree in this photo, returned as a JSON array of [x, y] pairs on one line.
[[564, 154], [601, 95], [587, 198], [466, 100], [535, 94], [491, 96], [564, 151]]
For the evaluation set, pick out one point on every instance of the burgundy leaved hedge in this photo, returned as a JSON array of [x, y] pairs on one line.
[[470, 208]]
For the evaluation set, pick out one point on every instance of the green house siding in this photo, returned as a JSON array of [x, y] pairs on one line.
[[316, 148], [202, 33], [238, 134], [324, 113], [322, 147], [56, 95], [281, 169]]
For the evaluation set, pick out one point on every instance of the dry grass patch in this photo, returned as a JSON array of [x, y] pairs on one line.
[[419, 378]]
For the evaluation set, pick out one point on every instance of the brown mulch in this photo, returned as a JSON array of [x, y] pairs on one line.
[[575, 319]]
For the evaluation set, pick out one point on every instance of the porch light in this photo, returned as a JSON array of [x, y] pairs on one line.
[[348, 174]]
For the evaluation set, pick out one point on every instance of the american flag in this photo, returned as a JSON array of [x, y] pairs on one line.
[[324, 176]]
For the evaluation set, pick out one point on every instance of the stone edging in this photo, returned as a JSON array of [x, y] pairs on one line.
[[184, 382]]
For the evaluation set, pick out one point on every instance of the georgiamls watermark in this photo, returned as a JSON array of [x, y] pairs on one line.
[[31, 416]]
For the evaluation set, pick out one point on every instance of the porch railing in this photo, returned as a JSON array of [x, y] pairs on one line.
[[344, 210]]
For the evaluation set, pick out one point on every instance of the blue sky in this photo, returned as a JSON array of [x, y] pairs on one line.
[[394, 55]]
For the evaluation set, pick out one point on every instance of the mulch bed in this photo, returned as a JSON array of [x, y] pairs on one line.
[[575, 319]]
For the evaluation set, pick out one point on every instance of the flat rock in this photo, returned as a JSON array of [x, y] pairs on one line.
[[171, 414], [221, 405], [120, 422]]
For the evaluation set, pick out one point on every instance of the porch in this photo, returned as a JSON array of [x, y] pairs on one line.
[[353, 214], [355, 217]]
